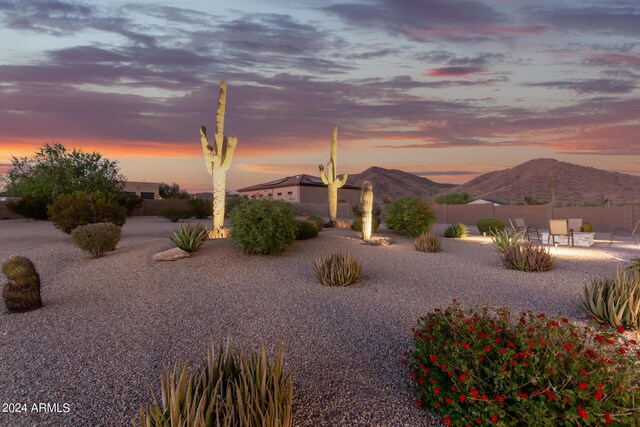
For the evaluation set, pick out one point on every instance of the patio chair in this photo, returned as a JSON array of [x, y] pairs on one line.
[[575, 224], [625, 231], [560, 227], [522, 226]]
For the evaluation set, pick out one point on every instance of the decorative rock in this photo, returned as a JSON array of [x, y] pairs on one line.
[[22, 292], [378, 241], [170, 255]]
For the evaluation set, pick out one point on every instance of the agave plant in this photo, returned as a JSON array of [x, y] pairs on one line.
[[337, 269], [527, 257], [456, 231], [503, 239], [615, 300], [189, 238], [231, 389], [318, 219], [427, 242]]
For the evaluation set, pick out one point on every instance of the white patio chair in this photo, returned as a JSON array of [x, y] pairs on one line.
[[522, 226], [560, 227]]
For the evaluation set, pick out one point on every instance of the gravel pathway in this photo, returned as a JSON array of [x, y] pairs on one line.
[[109, 324]]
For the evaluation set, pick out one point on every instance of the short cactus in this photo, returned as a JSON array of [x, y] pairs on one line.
[[366, 200], [22, 292]]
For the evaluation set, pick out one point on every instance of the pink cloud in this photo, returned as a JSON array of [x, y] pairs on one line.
[[453, 71]]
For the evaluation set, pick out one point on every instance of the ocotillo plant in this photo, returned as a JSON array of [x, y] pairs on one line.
[[22, 292], [218, 157], [330, 178], [366, 200]]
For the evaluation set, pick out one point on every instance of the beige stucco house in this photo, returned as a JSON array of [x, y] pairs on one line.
[[145, 190], [299, 189]]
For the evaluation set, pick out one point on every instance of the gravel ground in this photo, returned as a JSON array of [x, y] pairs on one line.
[[108, 325]]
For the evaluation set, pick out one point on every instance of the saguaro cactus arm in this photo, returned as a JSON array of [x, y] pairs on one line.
[[229, 146], [207, 150]]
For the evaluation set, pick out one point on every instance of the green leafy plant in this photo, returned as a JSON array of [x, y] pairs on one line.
[[306, 230], [456, 198], [504, 240], [527, 257], [356, 225], [427, 242], [262, 226], [189, 238], [337, 269], [231, 390], [587, 227], [615, 300], [475, 366], [97, 238], [175, 213], [318, 219], [490, 226], [456, 231], [69, 211], [409, 216]]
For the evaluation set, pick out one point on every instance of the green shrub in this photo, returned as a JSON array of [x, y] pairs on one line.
[[457, 198], [456, 231], [476, 366], [262, 226], [490, 225], [409, 216], [97, 238], [230, 202], [527, 257], [200, 209], [337, 269], [189, 238], [356, 225], [376, 212], [504, 240], [129, 201], [69, 211], [231, 389], [175, 213], [318, 219], [587, 227], [615, 300], [427, 242], [30, 207], [306, 230]]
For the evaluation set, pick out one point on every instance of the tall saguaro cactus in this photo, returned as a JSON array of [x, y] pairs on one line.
[[330, 178], [366, 200], [217, 158]]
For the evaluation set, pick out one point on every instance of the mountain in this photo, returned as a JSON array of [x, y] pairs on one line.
[[396, 183], [549, 179]]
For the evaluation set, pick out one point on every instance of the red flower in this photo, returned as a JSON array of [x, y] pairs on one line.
[[566, 399], [479, 420], [622, 350], [565, 320], [607, 418], [437, 404], [555, 323], [436, 390], [443, 366], [542, 342], [598, 395], [582, 412], [418, 403], [530, 343], [488, 349], [474, 393], [402, 361], [621, 329], [497, 339], [511, 344], [582, 386], [522, 394], [462, 397], [448, 400], [494, 418], [447, 421], [550, 395], [463, 377], [500, 398], [568, 347], [484, 397]]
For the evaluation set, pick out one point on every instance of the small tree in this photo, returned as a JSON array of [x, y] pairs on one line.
[[55, 170], [172, 191]]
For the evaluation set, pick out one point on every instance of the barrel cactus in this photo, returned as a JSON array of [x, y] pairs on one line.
[[22, 292]]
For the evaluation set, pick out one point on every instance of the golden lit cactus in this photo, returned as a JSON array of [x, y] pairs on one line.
[[217, 158], [330, 178], [366, 200], [22, 292]]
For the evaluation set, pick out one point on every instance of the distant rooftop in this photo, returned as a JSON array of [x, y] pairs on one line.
[[291, 181]]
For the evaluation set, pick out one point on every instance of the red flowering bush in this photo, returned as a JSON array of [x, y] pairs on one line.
[[409, 216], [476, 366]]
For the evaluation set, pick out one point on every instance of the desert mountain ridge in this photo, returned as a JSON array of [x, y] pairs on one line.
[[543, 180]]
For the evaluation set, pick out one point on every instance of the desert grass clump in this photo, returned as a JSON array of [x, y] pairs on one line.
[[527, 257], [318, 219], [342, 223], [456, 231], [97, 238], [337, 269], [504, 240], [615, 300], [427, 242], [306, 230], [22, 291], [189, 238], [231, 389]]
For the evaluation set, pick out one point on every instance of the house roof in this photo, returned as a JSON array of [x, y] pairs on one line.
[[291, 181], [481, 201]]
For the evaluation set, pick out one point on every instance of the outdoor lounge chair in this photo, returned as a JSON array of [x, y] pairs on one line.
[[575, 225], [560, 227], [625, 231], [522, 226]]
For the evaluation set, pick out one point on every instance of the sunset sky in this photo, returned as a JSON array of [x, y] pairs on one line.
[[443, 88]]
